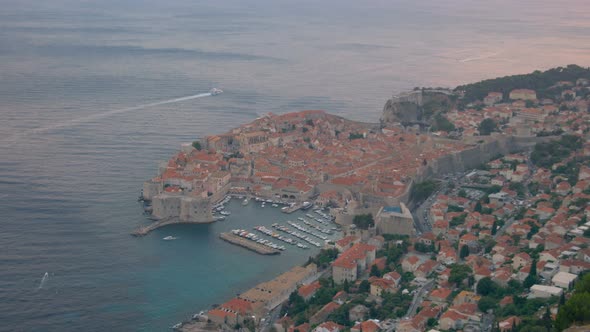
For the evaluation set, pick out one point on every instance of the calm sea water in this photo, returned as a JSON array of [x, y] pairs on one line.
[[74, 151]]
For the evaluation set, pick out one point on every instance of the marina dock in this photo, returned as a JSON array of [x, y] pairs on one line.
[[248, 244]]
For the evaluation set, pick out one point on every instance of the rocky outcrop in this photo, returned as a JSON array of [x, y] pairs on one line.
[[416, 107]]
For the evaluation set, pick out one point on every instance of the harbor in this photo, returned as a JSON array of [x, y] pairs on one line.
[[269, 239], [240, 255]]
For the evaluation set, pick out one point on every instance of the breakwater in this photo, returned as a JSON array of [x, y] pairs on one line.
[[142, 231], [248, 244]]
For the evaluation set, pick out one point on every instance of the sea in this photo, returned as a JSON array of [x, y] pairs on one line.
[[94, 94]]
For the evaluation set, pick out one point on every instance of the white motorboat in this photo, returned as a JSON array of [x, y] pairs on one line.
[[215, 91]]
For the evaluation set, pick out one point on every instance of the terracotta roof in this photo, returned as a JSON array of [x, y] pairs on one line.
[[307, 290], [348, 259], [331, 326], [441, 293]]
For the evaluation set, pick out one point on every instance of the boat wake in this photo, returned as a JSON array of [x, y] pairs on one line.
[[480, 57], [43, 280], [89, 118]]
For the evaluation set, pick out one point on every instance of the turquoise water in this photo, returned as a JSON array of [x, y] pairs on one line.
[[194, 269], [74, 151]]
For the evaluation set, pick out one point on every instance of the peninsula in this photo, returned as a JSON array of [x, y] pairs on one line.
[[462, 209]]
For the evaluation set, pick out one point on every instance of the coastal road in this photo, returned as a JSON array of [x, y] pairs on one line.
[[487, 322], [422, 221], [270, 319], [418, 297]]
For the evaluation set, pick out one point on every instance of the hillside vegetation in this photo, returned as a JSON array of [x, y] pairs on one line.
[[539, 81]]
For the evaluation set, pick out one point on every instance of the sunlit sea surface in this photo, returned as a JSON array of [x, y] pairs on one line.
[[77, 141]]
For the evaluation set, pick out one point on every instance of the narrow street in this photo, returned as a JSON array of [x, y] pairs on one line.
[[418, 297]]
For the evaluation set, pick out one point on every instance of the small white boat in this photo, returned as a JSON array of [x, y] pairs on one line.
[[169, 238], [215, 91]]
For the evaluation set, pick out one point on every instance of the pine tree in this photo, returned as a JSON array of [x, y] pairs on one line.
[[478, 207], [534, 268], [494, 228], [464, 252], [547, 319]]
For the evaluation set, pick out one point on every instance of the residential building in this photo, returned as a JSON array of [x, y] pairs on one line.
[[352, 262]]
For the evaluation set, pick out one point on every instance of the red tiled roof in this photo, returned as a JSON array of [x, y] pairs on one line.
[[441, 293], [307, 290], [349, 258]]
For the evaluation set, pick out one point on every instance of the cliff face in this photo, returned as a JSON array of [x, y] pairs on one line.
[[417, 106], [398, 111]]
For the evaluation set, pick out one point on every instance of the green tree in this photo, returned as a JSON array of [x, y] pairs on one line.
[[431, 322], [346, 286], [323, 258], [486, 286], [421, 191], [541, 82], [295, 304], [340, 315], [459, 273], [533, 271], [250, 324], [546, 154], [583, 285], [547, 321], [464, 252], [575, 310], [364, 286], [529, 281], [477, 207], [532, 278], [442, 123], [487, 126], [197, 145], [364, 221], [486, 303], [375, 271]]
